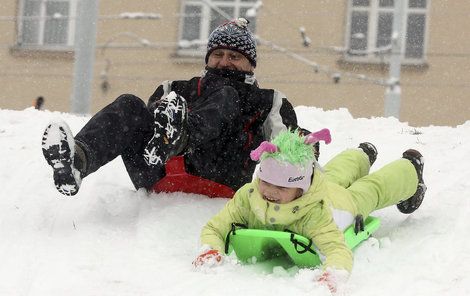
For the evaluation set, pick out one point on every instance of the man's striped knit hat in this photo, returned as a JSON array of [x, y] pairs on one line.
[[233, 35]]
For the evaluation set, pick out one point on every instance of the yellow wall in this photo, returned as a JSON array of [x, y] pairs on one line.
[[434, 94]]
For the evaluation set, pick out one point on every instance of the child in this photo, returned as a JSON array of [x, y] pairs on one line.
[[291, 192]]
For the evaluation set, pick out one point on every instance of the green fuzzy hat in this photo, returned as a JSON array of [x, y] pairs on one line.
[[288, 160], [291, 148]]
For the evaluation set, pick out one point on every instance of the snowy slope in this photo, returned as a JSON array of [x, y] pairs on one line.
[[112, 240]]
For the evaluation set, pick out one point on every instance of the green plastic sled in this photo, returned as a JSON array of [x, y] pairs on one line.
[[255, 245]]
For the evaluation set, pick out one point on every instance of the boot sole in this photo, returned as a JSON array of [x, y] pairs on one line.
[[157, 153], [60, 157]]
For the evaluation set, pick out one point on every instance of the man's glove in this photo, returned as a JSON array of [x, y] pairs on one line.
[[209, 258], [316, 151]]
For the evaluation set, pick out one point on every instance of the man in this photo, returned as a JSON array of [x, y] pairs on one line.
[[214, 121]]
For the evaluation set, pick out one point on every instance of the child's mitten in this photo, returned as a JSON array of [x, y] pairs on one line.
[[208, 258], [333, 278], [327, 279]]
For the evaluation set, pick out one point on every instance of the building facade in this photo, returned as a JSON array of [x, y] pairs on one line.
[[329, 54]]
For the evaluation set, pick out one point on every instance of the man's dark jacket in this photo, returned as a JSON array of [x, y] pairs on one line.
[[229, 116]]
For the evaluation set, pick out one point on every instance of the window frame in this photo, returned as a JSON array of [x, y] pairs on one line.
[[205, 20], [42, 19], [373, 13]]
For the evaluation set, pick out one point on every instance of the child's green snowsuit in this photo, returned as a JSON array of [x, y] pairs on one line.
[[345, 185]]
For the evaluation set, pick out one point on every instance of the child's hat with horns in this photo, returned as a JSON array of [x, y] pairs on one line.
[[288, 160]]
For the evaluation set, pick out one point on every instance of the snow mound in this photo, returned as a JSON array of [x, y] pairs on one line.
[[112, 240]]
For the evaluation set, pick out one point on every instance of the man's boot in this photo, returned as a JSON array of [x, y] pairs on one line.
[[59, 149], [170, 133]]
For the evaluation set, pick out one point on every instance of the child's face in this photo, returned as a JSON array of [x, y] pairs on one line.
[[278, 194]]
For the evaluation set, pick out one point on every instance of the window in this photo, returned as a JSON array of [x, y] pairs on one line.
[[370, 25], [198, 19], [46, 23]]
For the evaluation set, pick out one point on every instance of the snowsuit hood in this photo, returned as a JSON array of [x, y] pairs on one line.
[[286, 214]]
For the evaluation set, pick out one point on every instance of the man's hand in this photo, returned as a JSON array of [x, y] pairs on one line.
[[209, 258]]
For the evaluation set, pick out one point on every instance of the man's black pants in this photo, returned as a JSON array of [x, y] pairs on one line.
[[125, 126]]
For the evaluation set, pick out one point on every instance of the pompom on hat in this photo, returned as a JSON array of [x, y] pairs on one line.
[[288, 160], [233, 35]]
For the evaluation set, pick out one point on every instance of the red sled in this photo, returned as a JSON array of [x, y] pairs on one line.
[[178, 180]]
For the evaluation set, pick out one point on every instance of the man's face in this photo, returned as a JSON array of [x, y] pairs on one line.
[[229, 59], [278, 194]]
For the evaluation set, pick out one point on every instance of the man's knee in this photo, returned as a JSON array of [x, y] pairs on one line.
[[130, 102]]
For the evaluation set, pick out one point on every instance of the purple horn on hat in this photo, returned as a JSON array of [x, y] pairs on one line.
[[322, 135], [265, 146]]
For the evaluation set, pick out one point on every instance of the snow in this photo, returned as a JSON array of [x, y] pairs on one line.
[[140, 15], [112, 240]]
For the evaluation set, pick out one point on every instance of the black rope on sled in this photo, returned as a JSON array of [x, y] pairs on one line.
[[296, 243], [235, 226]]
